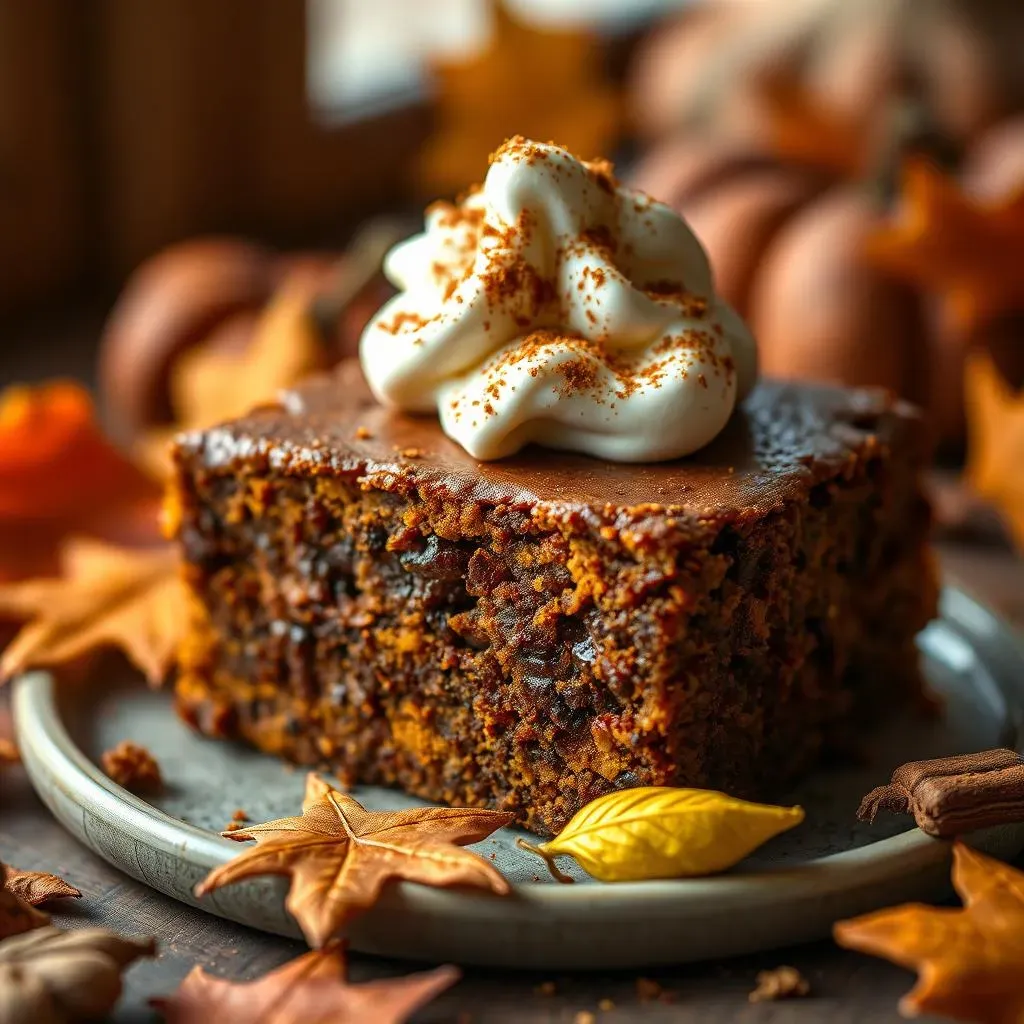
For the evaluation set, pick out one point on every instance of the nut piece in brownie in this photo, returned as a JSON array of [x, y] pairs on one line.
[[532, 633]]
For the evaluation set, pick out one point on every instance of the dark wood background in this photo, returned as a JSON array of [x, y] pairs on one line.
[[846, 987]]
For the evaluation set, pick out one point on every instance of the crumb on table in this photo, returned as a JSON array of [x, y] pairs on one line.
[[238, 820], [779, 983], [134, 767]]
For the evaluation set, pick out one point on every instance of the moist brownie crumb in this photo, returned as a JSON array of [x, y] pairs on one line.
[[532, 633], [648, 990], [134, 767], [779, 983]]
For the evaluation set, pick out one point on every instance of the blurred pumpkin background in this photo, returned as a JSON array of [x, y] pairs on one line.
[[196, 194]]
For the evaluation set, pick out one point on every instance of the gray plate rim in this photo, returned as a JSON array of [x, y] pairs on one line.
[[80, 795]]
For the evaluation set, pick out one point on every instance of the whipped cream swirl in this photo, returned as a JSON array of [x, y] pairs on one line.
[[555, 306]]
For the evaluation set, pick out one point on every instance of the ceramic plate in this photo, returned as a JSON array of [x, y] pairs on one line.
[[790, 891]]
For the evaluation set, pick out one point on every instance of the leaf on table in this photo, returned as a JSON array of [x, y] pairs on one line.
[[484, 97], [58, 977], [59, 475], [969, 252], [16, 916], [339, 856], [107, 596], [659, 832], [968, 960], [995, 440], [311, 989], [36, 887]]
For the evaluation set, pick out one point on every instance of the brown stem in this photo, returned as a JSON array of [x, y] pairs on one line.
[[556, 873], [913, 131], [360, 265]]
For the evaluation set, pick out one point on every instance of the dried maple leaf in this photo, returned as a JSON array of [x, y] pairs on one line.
[[969, 960], [969, 252], [485, 98], [995, 432], [311, 989], [16, 916], [108, 596], [36, 887], [60, 475], [58, 977], [339, 855]]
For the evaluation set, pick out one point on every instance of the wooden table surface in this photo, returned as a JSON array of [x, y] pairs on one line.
[[846, 987]]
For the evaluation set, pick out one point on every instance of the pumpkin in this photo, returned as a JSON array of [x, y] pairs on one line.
[[786, 237], [210, 292], [963, 57]]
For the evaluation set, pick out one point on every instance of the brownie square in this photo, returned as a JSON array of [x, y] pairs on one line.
[[532, 633]]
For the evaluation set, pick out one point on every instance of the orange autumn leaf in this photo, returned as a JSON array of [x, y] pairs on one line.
[[209, 385], [107, 597], [312, 989], [540, 83], [59, 475], [804, 131], [36, 887], [995, 433], [968, 960], [970, 253], [339, 856]]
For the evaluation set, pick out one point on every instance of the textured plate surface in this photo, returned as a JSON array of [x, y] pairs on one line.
[[790, 891]]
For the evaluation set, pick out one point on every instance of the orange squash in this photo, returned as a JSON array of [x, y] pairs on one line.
[[210, 292], [854, 56], [786, 241]]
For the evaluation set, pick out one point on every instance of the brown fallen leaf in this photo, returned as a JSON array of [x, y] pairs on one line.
[[16, 916], [969, 252], [311, 989], [36, 887], [484, 98], [339, 855], [52, 976], [969, 960], [995, 435], [108, 596], [59, 475], [8, 752]]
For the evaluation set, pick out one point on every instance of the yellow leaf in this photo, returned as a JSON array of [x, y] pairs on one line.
[[658, 832], [485, 97]]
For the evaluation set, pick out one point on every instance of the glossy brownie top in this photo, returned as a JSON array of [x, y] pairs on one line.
[[785, 438]]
